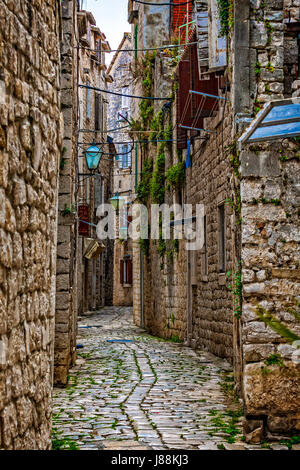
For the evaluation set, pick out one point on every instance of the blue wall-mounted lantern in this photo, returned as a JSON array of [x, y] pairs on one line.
[[93, 155]]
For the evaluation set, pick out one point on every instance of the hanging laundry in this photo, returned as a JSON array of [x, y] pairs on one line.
[[188, 155]]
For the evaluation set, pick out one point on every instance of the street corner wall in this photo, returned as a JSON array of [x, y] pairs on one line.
[[66, 291], [271, 274], [30, 145], [270, 238]]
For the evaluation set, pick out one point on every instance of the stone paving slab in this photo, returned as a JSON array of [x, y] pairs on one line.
[[148, 394]]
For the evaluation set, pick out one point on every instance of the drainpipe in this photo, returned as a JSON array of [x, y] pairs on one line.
[[142, 288]]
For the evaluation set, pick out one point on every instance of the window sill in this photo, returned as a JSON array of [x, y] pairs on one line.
[[222, 279], [204, 278], [126, 285]]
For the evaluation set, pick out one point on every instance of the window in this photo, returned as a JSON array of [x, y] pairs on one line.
[[126, 271], [88, 101], [217, 44], [278, 119], [125, 99], [125, 157], [222, 238], [98, 47], [98, 112]]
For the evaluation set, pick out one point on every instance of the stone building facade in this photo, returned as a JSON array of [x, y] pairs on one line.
[[95, 275], [30, 147], [119, 110], [82, 284], [237, 296]]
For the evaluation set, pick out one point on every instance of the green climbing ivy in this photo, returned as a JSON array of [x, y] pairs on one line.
[[176, 175], [226, 15], [236, 286], [157, 182], [143, 188], [276, 325]]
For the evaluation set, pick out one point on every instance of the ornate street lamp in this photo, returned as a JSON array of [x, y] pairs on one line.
[[92, 156], [117, 202]]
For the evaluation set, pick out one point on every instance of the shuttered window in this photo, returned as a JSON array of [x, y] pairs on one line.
[[126, 271], [98, 112], [188, 104], [88, 101]]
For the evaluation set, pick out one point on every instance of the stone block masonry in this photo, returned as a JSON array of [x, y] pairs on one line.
[[67, 240], [30, 146]]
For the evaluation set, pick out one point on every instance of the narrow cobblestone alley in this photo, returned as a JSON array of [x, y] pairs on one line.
[[146, 393]]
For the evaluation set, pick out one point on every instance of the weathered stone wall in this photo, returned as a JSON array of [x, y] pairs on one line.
[[123, 178], [66, 288], [30, 146], [270, 176], [209, 182]]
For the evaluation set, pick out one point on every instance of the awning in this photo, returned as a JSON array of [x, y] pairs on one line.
[[94, 248], [278, 119]]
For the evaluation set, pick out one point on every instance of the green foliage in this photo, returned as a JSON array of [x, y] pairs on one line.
[[290, 442], [276, 325], [274, 360], [257, 68], [226, 15], [157, 126], [62, 159], [176, 175], [175, 339], [270, 67], [267, 89], [62, 443], [233, 155], [270, 30], [145, 246], [236, 287], [276, 202], [143, 188], [226, 423], [162, 246], [68, 210], [157, 183], [146, 112]]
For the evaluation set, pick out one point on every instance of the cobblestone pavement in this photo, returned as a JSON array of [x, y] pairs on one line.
[[144, 394]]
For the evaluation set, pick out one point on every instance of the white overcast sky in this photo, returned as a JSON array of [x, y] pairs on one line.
[[111, 18]]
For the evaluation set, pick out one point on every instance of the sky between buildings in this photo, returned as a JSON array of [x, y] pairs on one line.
[[111, 18]]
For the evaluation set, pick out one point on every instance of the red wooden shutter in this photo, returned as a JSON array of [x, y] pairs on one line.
[[121, 271], [130, 278], [84, 216]]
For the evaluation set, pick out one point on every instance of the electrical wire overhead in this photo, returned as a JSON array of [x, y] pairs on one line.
[[170, 46], [122, 94]]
